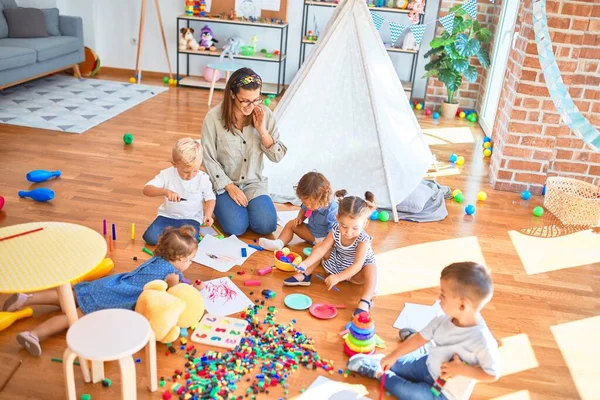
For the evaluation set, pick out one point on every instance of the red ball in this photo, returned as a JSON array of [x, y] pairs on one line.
[[279, 254], [428, 112], [458, 112], [1, 202]]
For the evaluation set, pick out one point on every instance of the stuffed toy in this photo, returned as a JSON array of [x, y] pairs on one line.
[[187, 41], [233, 47], [207, 39], [170, 310]]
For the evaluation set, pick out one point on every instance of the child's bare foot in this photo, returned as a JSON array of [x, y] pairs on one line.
[[269, 244], [298, 280], [15, 302], [30, 342]]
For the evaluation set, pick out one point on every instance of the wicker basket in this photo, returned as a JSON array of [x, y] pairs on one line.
[[572, 201]]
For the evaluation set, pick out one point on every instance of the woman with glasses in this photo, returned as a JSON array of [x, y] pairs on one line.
[[235, 136]]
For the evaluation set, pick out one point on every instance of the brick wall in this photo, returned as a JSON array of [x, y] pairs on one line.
[[530, 141], [470, 94]]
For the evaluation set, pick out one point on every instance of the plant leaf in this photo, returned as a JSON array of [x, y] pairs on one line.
[[436, 43], [484, 35], [484, 58], [431, 72], [433, 64], [451, 52], [471, 74], [433, 51], [460, 65], [476, 26], [466, 47], [448, 77]]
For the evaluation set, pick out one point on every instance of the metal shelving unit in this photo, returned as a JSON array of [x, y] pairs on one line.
[[199, 81], [408, 85]]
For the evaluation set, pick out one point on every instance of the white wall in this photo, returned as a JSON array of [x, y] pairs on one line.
[[111, 28]]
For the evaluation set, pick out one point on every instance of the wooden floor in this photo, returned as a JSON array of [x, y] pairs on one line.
[[103, 179]]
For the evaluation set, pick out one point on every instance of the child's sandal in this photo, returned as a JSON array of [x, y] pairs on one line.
[[292, 281], [361, 310]]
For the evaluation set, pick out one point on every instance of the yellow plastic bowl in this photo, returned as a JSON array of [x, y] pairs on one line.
[[287, 267]]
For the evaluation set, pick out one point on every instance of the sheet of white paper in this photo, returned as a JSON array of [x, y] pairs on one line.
[[326, 389], [208, 3], [283, 217], [208, 230], [417, 316], [222, 297], [271, 5], [228, 247], [248, 8]]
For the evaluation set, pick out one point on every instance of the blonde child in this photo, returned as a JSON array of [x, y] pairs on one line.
[[465, 350], [346, 251], [173, 255], [188, 192], [314, 190]]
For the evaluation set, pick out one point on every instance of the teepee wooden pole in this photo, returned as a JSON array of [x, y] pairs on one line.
[[138, 72], [164, 39]]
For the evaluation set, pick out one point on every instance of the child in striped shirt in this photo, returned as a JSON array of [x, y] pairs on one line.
[[346, 251]]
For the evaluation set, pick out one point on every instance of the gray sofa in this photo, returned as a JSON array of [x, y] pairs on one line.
[[30, 58]]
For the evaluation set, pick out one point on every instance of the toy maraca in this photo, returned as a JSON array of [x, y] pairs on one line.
[[38, 194], [41, 175], [8, 318]]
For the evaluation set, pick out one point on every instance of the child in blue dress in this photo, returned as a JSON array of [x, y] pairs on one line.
[[173, 254], [346, 251]]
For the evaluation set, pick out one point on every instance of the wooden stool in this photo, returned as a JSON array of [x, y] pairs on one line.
[[226, 66], [111, 335]]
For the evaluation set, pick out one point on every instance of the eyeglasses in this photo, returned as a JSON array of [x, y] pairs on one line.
[[247, 103]]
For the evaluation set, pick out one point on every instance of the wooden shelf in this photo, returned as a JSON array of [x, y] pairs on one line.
[[332, 4], [200, 82], [217, 53], [390, 49], [235, 21]]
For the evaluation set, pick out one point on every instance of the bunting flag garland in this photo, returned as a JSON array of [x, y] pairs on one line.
[[471, 8], [378, 20], [448, 22], [396, 30], [418, 31]]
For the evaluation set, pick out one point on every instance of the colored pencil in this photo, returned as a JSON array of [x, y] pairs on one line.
[[149, 252], [110, 243], [218, 257], [114, 232], [320, 277], [256, 247], [104, 227], [21, 234], [132, 231]]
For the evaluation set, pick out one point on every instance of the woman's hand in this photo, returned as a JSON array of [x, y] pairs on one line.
[[172, 196], [258, 120], [332, 280], [208, 221], [237, 195]]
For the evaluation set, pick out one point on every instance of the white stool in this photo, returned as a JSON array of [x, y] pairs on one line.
[[111, 335]]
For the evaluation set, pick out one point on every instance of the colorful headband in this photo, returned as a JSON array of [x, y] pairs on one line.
[[246, 80]]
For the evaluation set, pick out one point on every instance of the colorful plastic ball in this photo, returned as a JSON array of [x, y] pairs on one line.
[[458, 111], [384, 216], [487, 145], [284, 259], [209, 72], [487, 139], [172, 81], [285, 251], [128, 138], [436, 115], [418, 106], [460, 160], [526, 195], [297, 260], [267, 102], [428, 112], [455, 192], [453, 158], [459, 198], [487, 152], [279, 254], [462, 115], [166, 79], [470, 209], [538, 211], [412, 106], [374, 216], [132, 80], [1, 202], [468, 112], [482, 196]]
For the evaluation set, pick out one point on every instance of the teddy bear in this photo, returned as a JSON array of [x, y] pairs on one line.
[[168, 311], [207, 39], [187, 41]]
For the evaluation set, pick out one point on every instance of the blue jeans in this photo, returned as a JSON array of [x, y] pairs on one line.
[[156, 227], [409, 378], [260, 215]]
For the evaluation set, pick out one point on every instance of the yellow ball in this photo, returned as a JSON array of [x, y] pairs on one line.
[[455, 192], [297, 260], [487, 152], [285, 251], [462, 114], [460, 160], [418, 106], [481, 196], [132, 80], [172, 81], [487, 145]]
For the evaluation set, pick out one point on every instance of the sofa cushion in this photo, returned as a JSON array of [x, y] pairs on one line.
[[15, 57], [52, 21], [9, 3], [25, 22], [46, 48], [3, 23]]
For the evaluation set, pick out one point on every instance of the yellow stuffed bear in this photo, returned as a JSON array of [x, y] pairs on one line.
[[170, 310]]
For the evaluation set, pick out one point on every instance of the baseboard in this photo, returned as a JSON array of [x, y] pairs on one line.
[[131, 73]]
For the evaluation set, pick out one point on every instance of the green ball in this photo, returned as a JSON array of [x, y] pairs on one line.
[[166, 79], [267, 102], [128, 138], [459, 197], [538, 211], [384, 216]]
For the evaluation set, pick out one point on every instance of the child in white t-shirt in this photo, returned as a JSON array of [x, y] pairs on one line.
[[188, 193], [464, 349]]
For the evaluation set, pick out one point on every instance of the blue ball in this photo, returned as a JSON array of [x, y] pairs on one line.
[[526, 195], [374, 216], [436, 115], [453, 158], [487, 139], [470, 209]]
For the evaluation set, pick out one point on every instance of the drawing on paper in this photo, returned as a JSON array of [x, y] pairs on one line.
[[219, 291]]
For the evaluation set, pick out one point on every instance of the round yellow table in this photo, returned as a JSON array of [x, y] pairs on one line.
[[49, 258]]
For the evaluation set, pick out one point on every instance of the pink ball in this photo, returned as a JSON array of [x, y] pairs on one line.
[[1, 202], [428, 112], [208, 74]]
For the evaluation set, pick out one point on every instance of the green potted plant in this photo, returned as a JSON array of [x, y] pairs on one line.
[[451, 54]]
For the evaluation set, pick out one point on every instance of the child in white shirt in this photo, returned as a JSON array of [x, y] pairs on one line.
[[464, 352], [188, 193]]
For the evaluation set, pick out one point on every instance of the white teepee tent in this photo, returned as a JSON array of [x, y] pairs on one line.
[[347, 116]]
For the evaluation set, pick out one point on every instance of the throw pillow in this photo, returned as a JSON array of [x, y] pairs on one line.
[[25, 22], [52, 21]]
